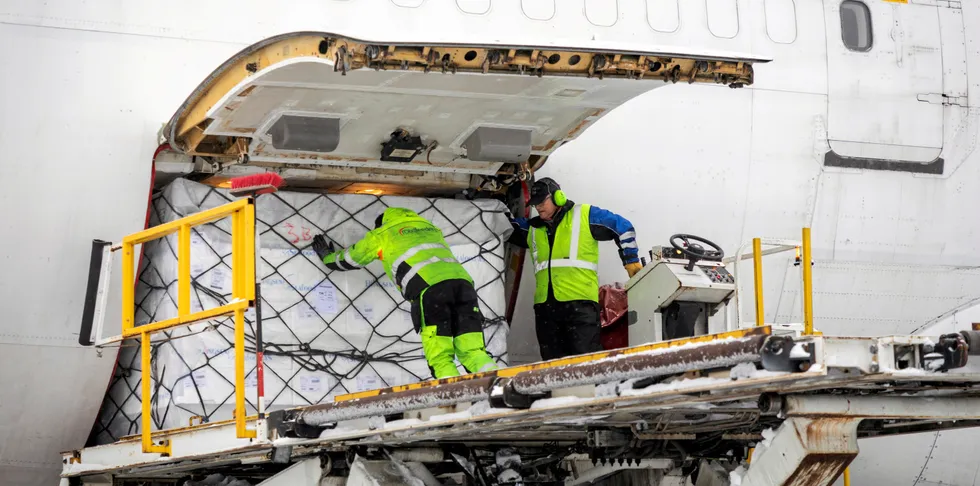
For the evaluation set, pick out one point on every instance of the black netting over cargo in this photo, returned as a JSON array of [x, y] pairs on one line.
[[325, 333]]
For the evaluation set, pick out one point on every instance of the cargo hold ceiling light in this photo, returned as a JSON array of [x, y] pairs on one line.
[[372, 191]]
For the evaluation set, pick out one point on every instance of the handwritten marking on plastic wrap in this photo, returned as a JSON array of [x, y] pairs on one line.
[[297, 233], [251, 380], [326, 298]]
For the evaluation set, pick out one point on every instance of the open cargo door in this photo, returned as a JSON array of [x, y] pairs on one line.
[[358, 116]]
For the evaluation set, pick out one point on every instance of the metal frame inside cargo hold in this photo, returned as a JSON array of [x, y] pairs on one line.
[[242, 214]]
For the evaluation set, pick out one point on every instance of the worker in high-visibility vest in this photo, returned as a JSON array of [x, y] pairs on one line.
[[564, 242], [445, 307]]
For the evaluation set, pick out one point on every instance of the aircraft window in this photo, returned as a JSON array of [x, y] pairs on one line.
[[855, 25], [781, 21], [538, 9], [722, 18], [475, 7], [602, 13], [662, 15]]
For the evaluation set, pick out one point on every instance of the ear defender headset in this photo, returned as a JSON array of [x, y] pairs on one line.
[[557, 195], [559, 198]]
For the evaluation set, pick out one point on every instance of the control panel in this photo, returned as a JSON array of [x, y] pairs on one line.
[[717, 274]]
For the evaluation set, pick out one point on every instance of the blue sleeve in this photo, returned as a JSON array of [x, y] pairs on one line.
[[606, 225], [519, 236]]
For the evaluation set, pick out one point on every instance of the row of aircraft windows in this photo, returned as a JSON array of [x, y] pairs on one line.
[[663, 16]]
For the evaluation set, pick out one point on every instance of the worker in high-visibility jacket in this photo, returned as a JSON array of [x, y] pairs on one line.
[[445, 306], [564, 242]]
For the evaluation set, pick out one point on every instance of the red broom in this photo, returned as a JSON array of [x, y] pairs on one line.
[[252, 186], [255, 184]]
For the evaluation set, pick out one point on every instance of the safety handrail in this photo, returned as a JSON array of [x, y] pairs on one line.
[[242, 214], [776, 245]]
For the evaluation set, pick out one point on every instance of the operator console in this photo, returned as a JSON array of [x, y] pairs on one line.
[[674, 296]]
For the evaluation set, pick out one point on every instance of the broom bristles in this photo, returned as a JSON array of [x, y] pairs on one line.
[[256, 184]]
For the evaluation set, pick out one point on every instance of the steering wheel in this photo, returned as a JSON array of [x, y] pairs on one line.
[[694, 251]]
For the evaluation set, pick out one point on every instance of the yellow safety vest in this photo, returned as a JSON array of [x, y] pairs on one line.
[[572, 265]]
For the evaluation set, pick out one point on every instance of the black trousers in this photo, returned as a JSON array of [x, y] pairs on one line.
[[567, 328], [451, 305], [448, 319]]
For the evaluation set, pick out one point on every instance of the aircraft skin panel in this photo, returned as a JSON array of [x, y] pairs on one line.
[[79, 125], [427, 21]]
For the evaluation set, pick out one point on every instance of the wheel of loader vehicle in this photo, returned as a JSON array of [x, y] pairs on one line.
[[694, 251]]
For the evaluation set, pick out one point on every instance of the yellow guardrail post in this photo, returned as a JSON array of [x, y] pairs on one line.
[[128, 290], [239, 257], [242, 213], [807, 284], [760, 315], [146, 417], [184, 270]]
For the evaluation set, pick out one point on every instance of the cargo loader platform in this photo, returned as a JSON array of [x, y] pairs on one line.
[[671, 407]]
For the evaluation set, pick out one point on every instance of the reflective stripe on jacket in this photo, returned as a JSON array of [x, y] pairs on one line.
[[570, 263], [413, 250]]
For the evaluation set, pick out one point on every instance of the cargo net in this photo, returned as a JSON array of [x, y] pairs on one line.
[[325, 333]]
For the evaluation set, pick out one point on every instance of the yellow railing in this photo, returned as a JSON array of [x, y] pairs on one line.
[[242, 213], [760, 312], [777, 246], [807, 284]]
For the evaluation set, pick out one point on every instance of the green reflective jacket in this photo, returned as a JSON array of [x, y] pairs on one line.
[[414, 253]]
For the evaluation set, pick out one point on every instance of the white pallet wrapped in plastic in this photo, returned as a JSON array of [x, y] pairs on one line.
[[325, 333]]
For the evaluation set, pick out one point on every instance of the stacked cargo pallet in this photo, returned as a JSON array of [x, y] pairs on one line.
[[325, 333]]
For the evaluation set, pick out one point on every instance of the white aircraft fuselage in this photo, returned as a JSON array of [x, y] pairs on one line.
[[862, 126]]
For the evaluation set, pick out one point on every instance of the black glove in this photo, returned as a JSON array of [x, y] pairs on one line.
[[322, 247]]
